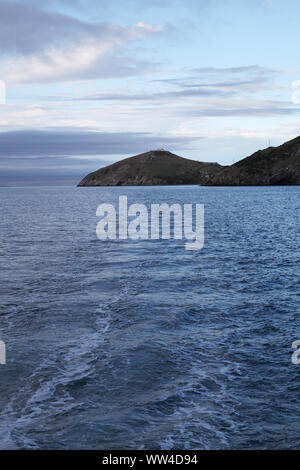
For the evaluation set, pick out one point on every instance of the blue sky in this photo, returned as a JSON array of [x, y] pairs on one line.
[[89, 82]]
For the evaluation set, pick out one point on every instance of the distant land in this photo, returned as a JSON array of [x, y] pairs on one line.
[[271, 166], [157, 167]]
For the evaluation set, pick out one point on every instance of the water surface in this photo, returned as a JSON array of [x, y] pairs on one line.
[[144, 345]]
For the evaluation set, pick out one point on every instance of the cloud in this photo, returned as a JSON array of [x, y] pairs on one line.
[[36, 143], [206, 82], [64, 157], [231, 79], [265, 109], [233, 70], [25, 29], [110, 6], [212, 92], [50, 46], [157, 96]]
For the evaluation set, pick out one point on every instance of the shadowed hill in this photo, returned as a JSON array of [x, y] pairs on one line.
[[272, 166], [157, 167]]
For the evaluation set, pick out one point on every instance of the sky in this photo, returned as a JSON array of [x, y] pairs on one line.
[[85, 83]]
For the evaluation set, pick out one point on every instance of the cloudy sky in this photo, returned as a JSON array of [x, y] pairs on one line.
[[89, 82]]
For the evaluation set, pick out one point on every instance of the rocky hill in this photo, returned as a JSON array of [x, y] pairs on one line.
[[272, 166], [157, 167]]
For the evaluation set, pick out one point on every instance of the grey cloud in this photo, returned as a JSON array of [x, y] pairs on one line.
[[154, 96], [25, 29], [234, 84], [259, 111], [233, 70], [82, 143], [233, 81], [38, 46], [64, 157], [111, 5], [112, 66], [248, 78]]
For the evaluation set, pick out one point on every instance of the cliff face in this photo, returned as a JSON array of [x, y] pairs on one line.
[[157, 167], [272, 166]]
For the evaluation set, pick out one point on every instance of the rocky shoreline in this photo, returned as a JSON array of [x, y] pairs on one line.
[[271, 166], [157, 167]]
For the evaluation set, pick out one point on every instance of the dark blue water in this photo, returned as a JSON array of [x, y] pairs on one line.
[[144, 345]]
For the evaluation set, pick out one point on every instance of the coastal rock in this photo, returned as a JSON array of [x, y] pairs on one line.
[[272, 166], [157, 167]]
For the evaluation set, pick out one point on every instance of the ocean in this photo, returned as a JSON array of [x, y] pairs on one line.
[[143, 344]]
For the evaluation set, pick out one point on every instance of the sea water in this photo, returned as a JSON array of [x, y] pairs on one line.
[[125, 344]]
